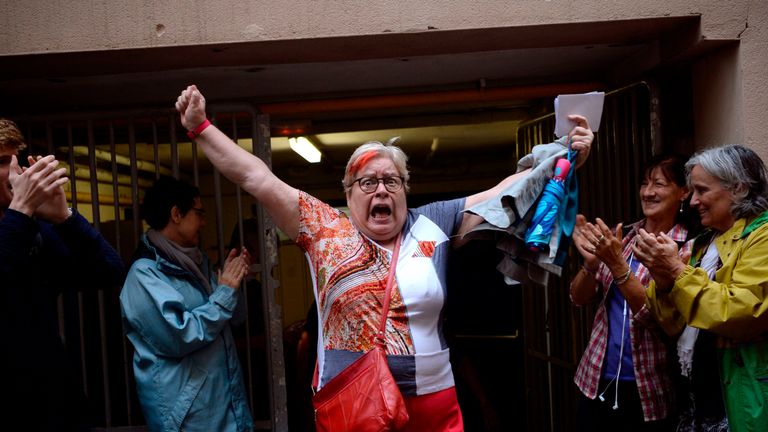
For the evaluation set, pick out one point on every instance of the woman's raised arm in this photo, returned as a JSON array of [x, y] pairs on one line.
[[241, 167]]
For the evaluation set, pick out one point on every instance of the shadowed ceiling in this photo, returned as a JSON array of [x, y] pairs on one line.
[[455, 98]]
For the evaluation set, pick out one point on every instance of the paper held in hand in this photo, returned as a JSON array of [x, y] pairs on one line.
[[589, 105]]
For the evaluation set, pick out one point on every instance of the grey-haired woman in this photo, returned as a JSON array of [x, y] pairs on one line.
[[723, 286]]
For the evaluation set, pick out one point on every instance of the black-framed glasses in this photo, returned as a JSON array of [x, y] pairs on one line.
[[370, 184], [199, 210]]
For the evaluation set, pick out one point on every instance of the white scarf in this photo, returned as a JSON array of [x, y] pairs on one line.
[[687, 340]]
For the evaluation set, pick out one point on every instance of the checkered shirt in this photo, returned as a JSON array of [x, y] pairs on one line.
[[650, 346]]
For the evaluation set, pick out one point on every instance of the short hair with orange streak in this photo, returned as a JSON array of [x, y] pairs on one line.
[[10, 136], [363, 154]]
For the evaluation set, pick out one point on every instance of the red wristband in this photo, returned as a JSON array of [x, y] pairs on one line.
[[194, 133]]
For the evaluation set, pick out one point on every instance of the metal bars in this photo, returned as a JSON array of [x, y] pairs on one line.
[[142, 146], [557, 333]]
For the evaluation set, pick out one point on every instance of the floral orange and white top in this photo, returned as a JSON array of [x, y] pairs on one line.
[[349, 274]]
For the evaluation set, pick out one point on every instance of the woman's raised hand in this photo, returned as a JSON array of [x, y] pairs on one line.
[[581, 138], [191, 105]]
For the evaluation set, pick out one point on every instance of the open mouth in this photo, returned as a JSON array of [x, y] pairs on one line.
[[381, 211]]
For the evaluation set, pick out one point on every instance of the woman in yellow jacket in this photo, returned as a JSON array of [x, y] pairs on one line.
[[730, 191]]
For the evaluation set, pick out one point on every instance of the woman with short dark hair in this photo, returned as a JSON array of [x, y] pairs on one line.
[[177, 314], [625, 374]]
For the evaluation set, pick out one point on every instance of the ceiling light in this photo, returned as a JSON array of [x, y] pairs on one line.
[[305, 149]]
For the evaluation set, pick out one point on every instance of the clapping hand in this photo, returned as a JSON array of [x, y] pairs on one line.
[[54, 210], [583, 244], [659, 255], [39, 185], [235, 268], [608, 245], [596, 242]]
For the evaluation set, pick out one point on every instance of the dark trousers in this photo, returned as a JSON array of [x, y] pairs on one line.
[[596, 416]]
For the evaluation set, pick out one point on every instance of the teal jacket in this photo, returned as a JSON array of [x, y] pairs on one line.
[[734, 307], [187, 371]]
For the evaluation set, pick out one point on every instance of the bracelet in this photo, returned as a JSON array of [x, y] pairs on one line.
[[194, 133], [588, 270], [623, 278]]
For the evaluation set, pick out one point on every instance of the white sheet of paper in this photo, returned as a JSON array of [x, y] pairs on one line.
[[589, 105]]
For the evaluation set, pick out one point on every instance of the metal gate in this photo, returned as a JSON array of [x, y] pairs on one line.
[[556, 333], [112, 158]]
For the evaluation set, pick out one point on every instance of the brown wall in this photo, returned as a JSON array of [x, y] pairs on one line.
[[731, 85]]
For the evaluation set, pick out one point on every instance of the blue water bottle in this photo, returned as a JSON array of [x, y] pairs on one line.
[[539, 232]]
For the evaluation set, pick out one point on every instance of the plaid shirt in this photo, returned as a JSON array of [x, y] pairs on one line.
[[649, 349]]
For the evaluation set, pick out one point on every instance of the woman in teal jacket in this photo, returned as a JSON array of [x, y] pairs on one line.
[[730, 191], [177, 316]]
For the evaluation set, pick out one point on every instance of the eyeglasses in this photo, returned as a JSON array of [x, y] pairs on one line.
[[200, 211], [370, 184]]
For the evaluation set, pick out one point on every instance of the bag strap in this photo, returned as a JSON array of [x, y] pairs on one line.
[[379, 338]]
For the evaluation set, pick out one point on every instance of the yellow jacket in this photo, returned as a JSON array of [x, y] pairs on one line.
[[732, 307], [733, 304]]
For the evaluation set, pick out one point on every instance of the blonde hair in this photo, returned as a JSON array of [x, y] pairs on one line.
[[10, 136], [363, 154]]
